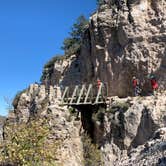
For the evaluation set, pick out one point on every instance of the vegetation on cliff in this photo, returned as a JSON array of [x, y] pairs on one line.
[[92, 154], [72, 44], [27, 144], [48, 67], [100, 2]]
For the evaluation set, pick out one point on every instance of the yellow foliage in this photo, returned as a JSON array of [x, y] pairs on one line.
[[28, 144]]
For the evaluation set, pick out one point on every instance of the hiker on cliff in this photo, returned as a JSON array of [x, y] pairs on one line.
[[154, 84], [136, 88], [98, 83]]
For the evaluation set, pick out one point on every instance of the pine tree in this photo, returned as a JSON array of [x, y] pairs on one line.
[[72, 44], [100, 2]]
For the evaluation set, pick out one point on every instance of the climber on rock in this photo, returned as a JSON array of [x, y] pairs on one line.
[[98, 83], [154, 84], [136, 87]]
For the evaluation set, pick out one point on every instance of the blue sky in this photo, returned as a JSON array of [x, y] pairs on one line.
[[31, 32]]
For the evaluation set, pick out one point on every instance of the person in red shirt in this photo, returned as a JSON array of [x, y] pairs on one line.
[[154, 84], [136, 88], [98, 83]]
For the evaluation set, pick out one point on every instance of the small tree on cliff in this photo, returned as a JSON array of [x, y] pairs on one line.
[[72, 44], [100, 2]]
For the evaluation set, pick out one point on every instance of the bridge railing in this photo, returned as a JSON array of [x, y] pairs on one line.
[[85, 93]]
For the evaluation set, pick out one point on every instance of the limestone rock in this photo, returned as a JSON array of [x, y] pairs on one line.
[[2, 120], [129, 125], [151, 153], [115, 48], [38, 101]]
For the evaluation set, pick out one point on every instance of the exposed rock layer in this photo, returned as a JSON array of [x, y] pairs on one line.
[[115, 49], [130, 132], [37, 102]]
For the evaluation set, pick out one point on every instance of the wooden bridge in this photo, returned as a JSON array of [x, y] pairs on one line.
[[91, 94]]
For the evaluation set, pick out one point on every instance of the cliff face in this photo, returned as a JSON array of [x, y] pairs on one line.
[[117, 45], [131, 131], [64, 71], [117, 48], [38, 102], [127, 127], [2, 120], [121, 44]]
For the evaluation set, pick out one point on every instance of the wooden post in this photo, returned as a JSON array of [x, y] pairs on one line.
[[74, 94], [99, 93], [81, 93], [88, 92], [64, 94]]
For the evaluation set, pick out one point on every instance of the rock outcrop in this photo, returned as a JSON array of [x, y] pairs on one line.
[[130, 132], [118, 49], [118, 44], [115, 48], [151, 153], [37, 101], [128, 125], [2, 120]]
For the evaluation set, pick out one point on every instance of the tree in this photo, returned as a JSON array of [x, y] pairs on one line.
[[100, 2], [72, 44], [8, 102]]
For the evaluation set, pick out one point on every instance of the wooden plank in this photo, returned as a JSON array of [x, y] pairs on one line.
[[81, 93], [74, 94], [99, 93], [64, 94], [88, 92]]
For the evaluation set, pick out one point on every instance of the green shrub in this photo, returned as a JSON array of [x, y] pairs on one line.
[[54, 59], [72, 44], [92, 155], [27, 144], [99, 115], [72, 111], [119, 106], [100, 2]]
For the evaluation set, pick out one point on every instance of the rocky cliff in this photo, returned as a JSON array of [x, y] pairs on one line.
[[126, 128], [118, 44], [119, 48], [36, 102], [2, 120], [131, 131], [116, 48]]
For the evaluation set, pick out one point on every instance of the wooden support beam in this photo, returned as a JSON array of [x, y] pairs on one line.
[[81, 93], [64, 94], [74, 94], [99, 93], [88, 92]]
